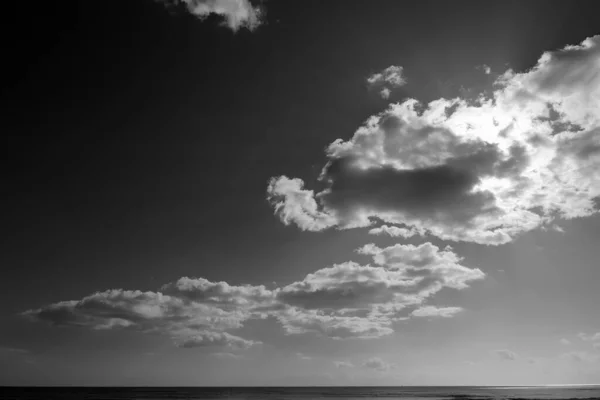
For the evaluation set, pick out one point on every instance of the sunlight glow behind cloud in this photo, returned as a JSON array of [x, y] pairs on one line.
[[480, 171]]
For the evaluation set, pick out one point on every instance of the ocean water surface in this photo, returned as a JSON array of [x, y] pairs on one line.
[[301, 393]]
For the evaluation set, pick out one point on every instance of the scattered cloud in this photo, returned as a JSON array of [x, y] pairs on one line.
[[395, 231], [485, 68], [506, 354], [303, 356], [236, 13], [593, 337], [385, 93], [564, 341], [216, 339], [13, 350], [386, 80], [227, 356], [378, 364], [431, 311], [343, 364], [363, 301], [480, 171], [336, 325], [17, 354], [195, 313], [347, 300], [294, 204], [581, 357]]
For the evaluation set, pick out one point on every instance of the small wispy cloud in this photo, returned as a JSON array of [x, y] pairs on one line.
[[506, 354], [386, 80], [564, 341], [485, 68], [216, 339], [17, 353], [236, 13], [432, 311], [227, 356], [592, 337], [378, 364], [13, 350], [303, 356], [343, 364], [581, 357]]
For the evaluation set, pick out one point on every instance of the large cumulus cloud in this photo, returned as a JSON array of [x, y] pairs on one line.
[[481, 171]]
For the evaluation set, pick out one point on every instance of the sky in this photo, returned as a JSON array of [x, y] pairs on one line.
[[226, 192]]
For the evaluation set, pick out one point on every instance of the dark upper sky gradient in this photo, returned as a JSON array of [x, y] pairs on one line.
[[139, 141]]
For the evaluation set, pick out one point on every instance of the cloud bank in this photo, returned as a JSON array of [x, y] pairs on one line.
[[480, 171], [236, 13], [343, 301]]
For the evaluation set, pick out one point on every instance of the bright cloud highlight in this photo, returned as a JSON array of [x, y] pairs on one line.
[[479, 171]]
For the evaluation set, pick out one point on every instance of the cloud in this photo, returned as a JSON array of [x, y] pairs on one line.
[[480, 171], [378, 364], [343, 364], [344, 301], [506, 354], [431, 311], [589, 337], [386, 80], [363, 301], [438, 268], [350, 286], [219, 293], [195, 312], [294, 204], [564, 341], [581, 357], [303, 356], [216, 339], [336, 325], [13, 350], [236, 13], [485, 68], [227, 356], [395, 231]]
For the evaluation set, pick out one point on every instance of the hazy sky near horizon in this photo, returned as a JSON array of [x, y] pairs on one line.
[[301, 193]]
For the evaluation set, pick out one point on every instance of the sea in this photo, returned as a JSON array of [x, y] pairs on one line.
[[302, 393]]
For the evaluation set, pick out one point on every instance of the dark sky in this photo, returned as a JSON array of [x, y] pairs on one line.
[[138, 140]]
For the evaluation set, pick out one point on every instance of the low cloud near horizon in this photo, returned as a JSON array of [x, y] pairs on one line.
[[344, 301], [385, 81]]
